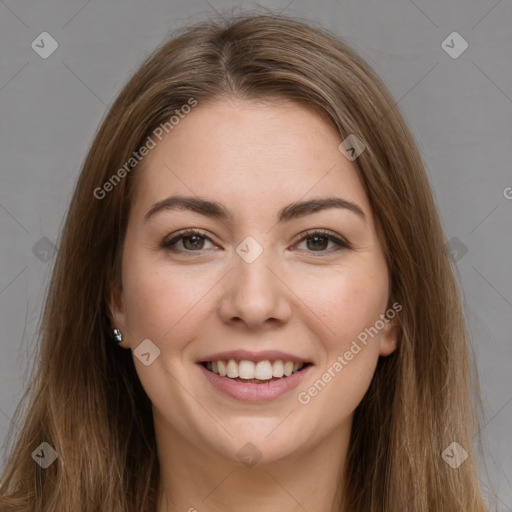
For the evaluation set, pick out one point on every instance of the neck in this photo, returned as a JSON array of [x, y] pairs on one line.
[[197, 480]]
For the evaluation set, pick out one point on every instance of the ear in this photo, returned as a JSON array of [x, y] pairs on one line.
[[389, 337], [117, 312]]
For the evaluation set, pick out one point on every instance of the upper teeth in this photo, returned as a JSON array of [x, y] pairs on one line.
[[261, 370]]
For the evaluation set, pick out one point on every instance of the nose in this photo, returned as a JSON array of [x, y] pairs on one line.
[[255, 295]]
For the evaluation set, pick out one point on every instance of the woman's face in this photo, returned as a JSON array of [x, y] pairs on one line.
[[252, 285]]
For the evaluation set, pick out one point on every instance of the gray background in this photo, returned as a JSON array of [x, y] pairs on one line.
[[460, 110]]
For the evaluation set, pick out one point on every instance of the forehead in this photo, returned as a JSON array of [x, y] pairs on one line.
[[249, 154]]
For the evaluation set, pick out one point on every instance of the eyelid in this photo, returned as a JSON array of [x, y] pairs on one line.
[[175, 237], [338, 239]]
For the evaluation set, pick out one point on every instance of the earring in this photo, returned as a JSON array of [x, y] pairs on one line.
[[117, 335]]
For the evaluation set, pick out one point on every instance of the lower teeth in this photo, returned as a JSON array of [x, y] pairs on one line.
[[255, 381]]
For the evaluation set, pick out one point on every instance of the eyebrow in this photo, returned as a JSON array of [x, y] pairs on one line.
[[219, 211]]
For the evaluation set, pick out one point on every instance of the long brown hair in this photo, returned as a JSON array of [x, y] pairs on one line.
[[86, 400]]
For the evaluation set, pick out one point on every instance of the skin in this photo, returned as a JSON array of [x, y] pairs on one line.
[[298, 297]]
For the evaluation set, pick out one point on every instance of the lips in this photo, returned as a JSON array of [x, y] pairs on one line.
[[254, 376], [250, 390]]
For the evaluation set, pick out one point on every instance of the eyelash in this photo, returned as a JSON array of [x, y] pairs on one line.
[[342, 244]]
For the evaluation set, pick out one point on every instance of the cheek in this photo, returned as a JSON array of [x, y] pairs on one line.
[[346, 302], [162, 300]]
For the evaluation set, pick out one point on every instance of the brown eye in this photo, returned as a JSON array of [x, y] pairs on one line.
[[191, 239], [195, 242], [318, 241]]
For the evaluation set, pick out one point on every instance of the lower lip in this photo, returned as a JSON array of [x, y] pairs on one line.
[[254, 392]]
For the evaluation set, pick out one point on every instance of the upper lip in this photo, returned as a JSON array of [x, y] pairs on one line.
[[246, 355]]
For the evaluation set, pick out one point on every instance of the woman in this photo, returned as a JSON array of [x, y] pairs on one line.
[[252, 306]]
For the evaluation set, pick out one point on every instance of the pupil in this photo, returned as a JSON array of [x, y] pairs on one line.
[[185, 239], [316, 237]]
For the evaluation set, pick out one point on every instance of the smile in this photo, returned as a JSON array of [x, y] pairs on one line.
[[254, 372], [250, 381]]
